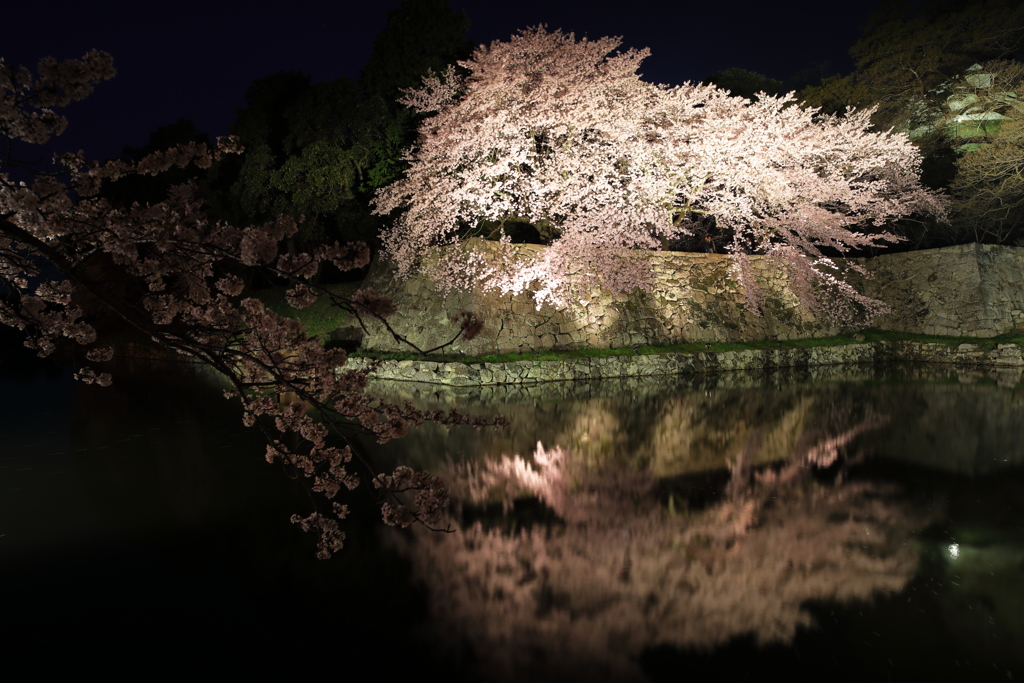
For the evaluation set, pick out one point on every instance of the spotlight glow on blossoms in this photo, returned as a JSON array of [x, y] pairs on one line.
[[560, 132]]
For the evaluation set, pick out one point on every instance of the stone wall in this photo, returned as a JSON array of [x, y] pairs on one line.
[[1005, 359], [968, 290]]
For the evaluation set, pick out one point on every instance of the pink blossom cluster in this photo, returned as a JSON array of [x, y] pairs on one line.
[[177, 277], [549, 128]]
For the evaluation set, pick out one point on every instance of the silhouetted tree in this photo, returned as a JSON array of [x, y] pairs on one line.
[[152, 189], [743, 83], [320, 150]]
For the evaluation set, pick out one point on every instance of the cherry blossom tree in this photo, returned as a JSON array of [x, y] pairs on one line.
[[563, 133], [173, 275]]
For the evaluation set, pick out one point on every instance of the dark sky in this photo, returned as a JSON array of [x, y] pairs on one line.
[[196, 59]]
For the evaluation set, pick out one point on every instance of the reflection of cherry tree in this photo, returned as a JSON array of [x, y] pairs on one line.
[[624, 574]]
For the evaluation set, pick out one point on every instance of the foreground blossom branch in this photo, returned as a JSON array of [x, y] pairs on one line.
[[173, 275]]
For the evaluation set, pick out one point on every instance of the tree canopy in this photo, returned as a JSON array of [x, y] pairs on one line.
[[743, 83], [914, 63], [151, 189], [908, 50], [319, 150], [552, 129], [985, 121]]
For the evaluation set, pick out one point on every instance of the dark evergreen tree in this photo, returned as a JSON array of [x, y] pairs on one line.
[[153, 189], [743, 83], [320, 150]]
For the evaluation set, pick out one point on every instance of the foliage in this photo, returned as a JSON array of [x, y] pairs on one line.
[[911, 62], [908, 50], [420, 36], [989, 188], [246, 189], [151, 189], [320, 150], [168, 271], [319, 318], [986, 120], [743, 83], [550, 129]]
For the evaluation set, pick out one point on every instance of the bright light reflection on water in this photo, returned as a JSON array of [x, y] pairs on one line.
[[849, 524]]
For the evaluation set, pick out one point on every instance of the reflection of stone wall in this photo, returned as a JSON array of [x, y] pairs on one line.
[[968, 290], [668, 435], [969, 427], [671, 426], [666, 428]]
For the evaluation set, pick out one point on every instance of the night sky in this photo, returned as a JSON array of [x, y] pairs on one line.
[[197, 59]]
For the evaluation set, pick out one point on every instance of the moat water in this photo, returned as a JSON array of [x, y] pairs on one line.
[[852, 523]]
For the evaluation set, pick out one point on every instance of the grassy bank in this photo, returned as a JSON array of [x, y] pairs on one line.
[[870, 335], [321, 317]]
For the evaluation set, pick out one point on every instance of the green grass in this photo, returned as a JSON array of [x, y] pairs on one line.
[[871, 335], [319, 318], [985, 344]]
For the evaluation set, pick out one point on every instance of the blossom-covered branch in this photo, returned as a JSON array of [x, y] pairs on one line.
[[176, 277]]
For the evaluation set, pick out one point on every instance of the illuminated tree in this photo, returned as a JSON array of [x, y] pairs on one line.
[[565, 135], [985, 118], [167, 271]]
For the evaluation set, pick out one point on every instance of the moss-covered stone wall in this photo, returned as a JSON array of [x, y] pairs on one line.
[[967, 290]]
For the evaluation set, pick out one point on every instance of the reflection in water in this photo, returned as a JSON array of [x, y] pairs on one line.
[[941, 417], [659, 520], [622, 573], [686, 516]]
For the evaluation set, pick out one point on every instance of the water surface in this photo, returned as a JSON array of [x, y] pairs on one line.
[[849, 523]]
